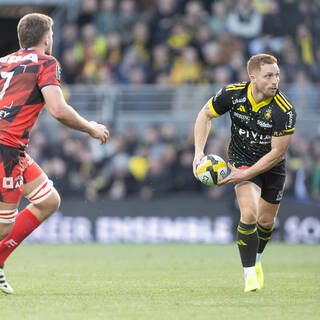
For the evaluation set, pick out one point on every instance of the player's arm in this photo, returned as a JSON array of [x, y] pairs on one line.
[[279, 147], [214, 108], [201, 131], [64, 113]]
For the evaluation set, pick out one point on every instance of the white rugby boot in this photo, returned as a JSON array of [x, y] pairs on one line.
[[4, 285]]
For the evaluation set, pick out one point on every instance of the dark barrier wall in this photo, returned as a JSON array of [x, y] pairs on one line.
[[181, 218]]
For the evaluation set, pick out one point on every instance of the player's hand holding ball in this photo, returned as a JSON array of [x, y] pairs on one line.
[[211, 170]]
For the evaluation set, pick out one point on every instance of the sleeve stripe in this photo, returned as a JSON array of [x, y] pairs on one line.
[[215, 114], [289, 130], [283, 102], [237, 84], [235, 88], [279, 104], [284, 98]]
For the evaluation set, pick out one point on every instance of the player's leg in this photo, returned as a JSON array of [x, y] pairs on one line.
[[44, 201], [8, 211], [271, 195], [266, 219], [11, 184], [248, 194]]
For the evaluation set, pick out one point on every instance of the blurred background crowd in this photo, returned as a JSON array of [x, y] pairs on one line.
[[169, 43], [155, 164], [189, 41]]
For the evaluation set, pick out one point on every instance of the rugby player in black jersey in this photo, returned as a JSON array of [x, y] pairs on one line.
[[263, 122]]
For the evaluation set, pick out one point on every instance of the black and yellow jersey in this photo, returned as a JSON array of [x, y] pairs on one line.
[[253, 124]]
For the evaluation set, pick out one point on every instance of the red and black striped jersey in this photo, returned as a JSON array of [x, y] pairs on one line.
[[22, 76]]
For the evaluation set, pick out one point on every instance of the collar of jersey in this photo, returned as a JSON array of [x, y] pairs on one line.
[[255, 106]]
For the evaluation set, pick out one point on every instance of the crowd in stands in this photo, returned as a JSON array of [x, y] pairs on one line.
[[174, 42], [189, 41], [153, 164]]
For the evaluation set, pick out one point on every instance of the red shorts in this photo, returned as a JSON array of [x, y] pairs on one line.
[[16, 169]]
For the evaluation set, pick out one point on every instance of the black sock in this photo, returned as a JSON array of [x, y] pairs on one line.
[[247, 240], [264, 235]]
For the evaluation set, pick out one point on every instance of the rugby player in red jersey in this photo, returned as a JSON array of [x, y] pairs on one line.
[[30, 80]]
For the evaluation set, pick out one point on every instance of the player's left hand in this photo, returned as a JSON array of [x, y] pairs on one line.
[[235, 176]]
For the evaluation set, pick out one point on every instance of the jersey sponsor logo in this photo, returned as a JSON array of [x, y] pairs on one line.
[[257, 138], [290, 120], [58, 72], [241, 116], [278, 133], [264, 124], [267, 114], [8, 113], [242, 100], [280, 195], [11, 243], [242, 108], [15, 59], [4, 114], [241, 243], [11, 183]]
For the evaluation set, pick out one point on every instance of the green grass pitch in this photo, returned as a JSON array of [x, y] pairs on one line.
[[174, 281]]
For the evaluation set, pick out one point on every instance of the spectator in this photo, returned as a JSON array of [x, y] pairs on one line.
[[69, 37], [303, 93], [273, 32], [195, 15], [162, 20], [71, 67], [107, 19], [244, 21], [218, 21], [187, 68], [160, 61], [179, 37], [305, 44], [89, 9], [128, 16], [140, 41]]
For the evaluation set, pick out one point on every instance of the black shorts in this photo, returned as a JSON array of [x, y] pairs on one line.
[[271, 184]]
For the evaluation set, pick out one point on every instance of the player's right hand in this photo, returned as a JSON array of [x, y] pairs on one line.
[[99, 131], [196, 161]]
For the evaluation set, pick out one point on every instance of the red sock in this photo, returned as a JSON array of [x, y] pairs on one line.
[[25, 223]]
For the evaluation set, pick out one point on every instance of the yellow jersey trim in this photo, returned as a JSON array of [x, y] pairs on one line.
[[215, 114], [237, 84], [280, 104], [284, 98], [289, 130], [235, 88], [255, 106], [287, 106]]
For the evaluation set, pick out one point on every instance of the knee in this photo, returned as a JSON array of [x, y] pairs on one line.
[[3, 234], [5, 231], [266, 221], [249, 216], [51, 204]]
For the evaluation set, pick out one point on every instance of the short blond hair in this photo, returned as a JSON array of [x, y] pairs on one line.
[[31, 29], [255, 62]]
